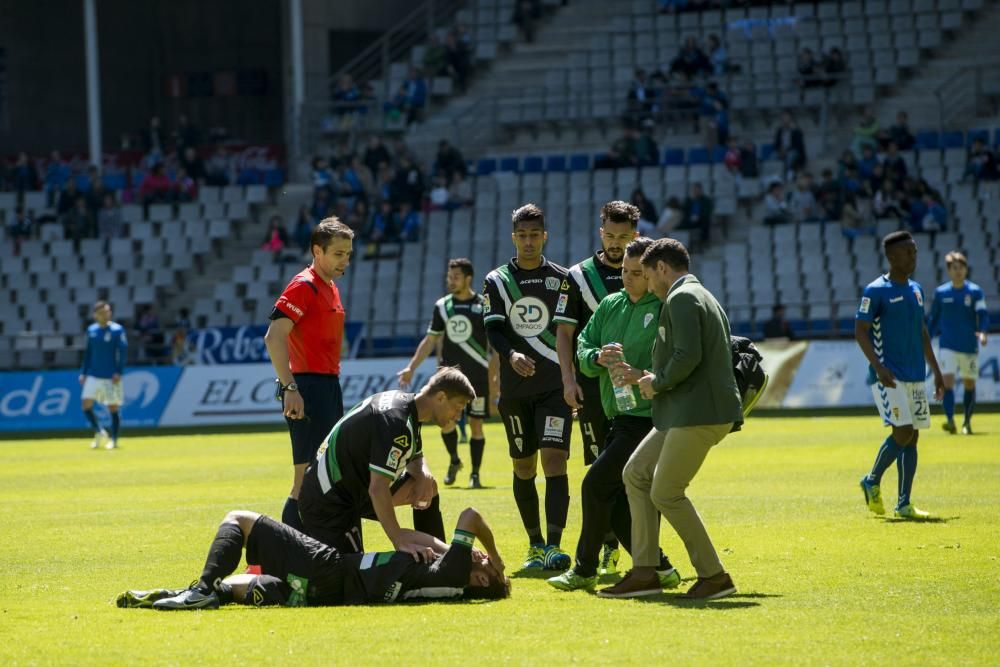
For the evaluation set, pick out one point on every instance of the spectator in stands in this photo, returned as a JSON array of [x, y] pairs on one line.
[[778, 326], [681, 97], [109, 219], [749, 166], [733, 158], [20, 226], [866, 132], [182, 351], [639, 102], [276, 238], [322, 176], [383, 226], [670, 218], [647, 152], [789, 145], [691, 60], [364, 177], [647, 212], [802, 201], [217, 169], [24, 175], [449, 161], [622, 152], [434, 56], [776, 206], [981, 164], [343, 154], [348, 184], [183, 319], [185, 187], [439, 195], [464, 36], [866, 165], [375, 154], [57, 173], [303, 229], [156, 186], [67, 198], [846, 163], [829, 196], [77, 223], [698, 213], [95, 193], [154, 141], [384, 185], [356, 219], [193, 165], [887, 203], [346, 96], [894, 164], [322, 205], [527, 14], [460, 190], [900, 133], [717, 124], [935, 214], [806, 66], [187, 135], [834, 67], [408, 183], [852, 222], [409, 222], [458, 60], [150, 335], [717, 56]]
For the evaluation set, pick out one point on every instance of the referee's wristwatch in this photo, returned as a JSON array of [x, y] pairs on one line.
[[291, 386]]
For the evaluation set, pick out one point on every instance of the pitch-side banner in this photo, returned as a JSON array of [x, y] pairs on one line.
[[244, 393], [834, 373]]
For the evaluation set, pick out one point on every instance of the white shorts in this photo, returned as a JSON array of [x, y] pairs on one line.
[[963, 364], [103, 390], [903, 405]]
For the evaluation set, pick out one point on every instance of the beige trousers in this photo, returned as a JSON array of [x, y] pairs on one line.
[[656, 476]]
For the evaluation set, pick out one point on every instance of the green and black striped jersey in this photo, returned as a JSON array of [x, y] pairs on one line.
[[460, 324], [590, 281], [529, 303]]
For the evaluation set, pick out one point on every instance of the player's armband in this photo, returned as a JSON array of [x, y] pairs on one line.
[[463, 538]]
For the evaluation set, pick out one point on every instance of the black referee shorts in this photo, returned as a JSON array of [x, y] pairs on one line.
[[324, 406]]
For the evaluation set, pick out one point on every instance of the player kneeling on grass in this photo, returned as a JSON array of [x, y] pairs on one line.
[[298, 571]]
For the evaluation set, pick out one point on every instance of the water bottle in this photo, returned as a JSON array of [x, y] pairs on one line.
[[624, 395]]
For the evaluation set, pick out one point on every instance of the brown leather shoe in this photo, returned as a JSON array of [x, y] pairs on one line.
[[711, 588], [633, 586]]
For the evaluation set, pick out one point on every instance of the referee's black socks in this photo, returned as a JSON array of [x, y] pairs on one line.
[[556, 506], [451, 444], [223, 556]]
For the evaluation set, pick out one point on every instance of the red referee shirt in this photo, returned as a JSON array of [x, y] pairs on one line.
[[315, 308]]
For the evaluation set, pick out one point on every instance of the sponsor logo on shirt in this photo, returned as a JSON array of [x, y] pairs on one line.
[[529, 316], [393, 592], [646, 320], [295, 309], [920, 297], [561, 304], [552, 284], [866, 303], [486, 303], [385, 401], [895, 299], [531, 281], [459, 328], [554, 426], [565, 285], [394, 455]]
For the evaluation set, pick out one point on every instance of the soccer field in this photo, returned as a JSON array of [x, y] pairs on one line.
[[821, 581]]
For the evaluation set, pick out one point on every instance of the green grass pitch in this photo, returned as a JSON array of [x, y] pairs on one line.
[[821, 581]]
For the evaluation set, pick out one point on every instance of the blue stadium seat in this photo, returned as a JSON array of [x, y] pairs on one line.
[[555, 163], [928, 140], [114, 180], [673, 157], [274, 177], [719, 154], [698, 156], [533, 165], [821, 328], [982, 134], [486, 166], [579, 162], [600, 159], [766, 152], [508, 164], [996, 137], [953, 140], [248, 176]]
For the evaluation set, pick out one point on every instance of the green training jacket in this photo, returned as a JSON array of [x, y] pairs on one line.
[[618, 320]]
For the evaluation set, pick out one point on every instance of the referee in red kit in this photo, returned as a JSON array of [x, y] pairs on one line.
[[304, 341]]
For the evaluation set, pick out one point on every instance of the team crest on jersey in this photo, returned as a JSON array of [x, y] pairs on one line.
[[646, 320], [663, 334], [895, 413], [476, 308], [519, 443], [394, 455], [920, 297], [565, 285], [486, 303], [561, 304], [552, 284], [866, 304], [968, 300]]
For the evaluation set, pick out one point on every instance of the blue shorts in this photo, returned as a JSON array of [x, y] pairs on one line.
[[324, 406]]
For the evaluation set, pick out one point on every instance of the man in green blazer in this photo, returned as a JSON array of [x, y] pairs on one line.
[[694, 405]]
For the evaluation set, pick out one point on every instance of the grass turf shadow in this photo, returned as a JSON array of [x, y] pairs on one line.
[[933, 519]]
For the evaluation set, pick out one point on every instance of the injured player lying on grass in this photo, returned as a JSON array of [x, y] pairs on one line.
[[298, 571]]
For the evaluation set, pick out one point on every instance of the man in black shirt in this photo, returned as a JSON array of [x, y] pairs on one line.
[[298, 571], [525, 300], [457, 324], [373, 461]]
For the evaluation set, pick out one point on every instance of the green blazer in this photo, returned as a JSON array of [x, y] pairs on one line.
[[692, 361]]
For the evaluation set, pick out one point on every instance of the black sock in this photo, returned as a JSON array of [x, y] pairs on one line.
[[526, 497], [430, 520], [664, 562], [610, 541], [451, 444], [476, 446], [290, 515], [556, 506], [223, 556], [92, 418], [116, 421]]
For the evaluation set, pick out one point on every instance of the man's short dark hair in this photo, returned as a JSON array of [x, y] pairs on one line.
[[618, 211], [528, 213], [638, 246], [462, 264], [452, 382], [954, 257], [327, 230], [498, 589], [893, 238], [670, 251]]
